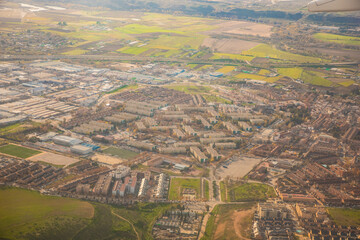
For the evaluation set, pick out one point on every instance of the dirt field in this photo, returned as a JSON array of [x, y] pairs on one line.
[[107, 159], [238, 167], [230, 45], [53, 158], [242, 28], [234, 225]]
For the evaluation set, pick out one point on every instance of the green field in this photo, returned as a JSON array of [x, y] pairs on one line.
[[250, 192], [315, 78], [345, 216], [206, 189], [27, 214], [122, 153], [143, 216], [216, 99], [223, 191], [178, 184], [266, 51], [190, 89], [18, 151], [340, 39], [226, 69], [294, 73]]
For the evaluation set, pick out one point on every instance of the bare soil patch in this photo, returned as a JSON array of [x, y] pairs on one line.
[[243, 28], [54, 159], [107, 159], [229, 45]]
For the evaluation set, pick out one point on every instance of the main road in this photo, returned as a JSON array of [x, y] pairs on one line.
[[4, 57]]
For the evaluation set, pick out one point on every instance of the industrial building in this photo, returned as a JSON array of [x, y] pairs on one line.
[[81, 149], [66, 141]]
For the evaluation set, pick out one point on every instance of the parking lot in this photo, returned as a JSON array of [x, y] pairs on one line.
[[236, 166]]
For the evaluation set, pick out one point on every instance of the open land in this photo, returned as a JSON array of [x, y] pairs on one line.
[[18, 151], [178, 184], [54, 159], [238, 167], [121, 153]]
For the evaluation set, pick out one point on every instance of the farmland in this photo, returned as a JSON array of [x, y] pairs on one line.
[[121, 153], [26, 214], [18, 151], [178, 184], [340, 39]]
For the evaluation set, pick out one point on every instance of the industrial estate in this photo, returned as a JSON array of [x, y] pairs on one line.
[[141, 125]]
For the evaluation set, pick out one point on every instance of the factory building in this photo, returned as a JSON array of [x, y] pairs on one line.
[[81, 149], [66, 141]]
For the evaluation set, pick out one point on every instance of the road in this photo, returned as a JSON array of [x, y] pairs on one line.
[[4, 57]]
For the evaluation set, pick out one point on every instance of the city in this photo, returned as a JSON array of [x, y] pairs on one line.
[[135, 136]]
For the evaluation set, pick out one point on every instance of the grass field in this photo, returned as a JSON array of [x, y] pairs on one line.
[[143, 216], [294, 73], [206, 189], [225, 218], [226, 69], [27, 214], [266, 51], [178, 184], [315, 78], [232, 56], [223, 191], [18, 151], [347, 83], [122, 153], [345, 216], [250, 76], [216, 99], [190, 89], [250, 192], [340, 39]]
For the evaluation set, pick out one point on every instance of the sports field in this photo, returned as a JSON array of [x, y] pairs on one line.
[[178, 184], [121, 153], [18, 151], [26, 214]]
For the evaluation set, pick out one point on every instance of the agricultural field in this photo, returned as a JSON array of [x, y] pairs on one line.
[[228, 45], [121, 153], [226, 69], [294, 73], [340, 39], [178, 184], [345, 216], [267, 51], [27, 214], [316, 78], [230, 222], [249, 192], [18, 151]]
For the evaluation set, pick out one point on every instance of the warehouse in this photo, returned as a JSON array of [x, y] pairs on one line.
[[81, 149], [66, 141]]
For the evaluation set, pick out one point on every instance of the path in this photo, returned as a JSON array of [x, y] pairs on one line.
[[132, 225]]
